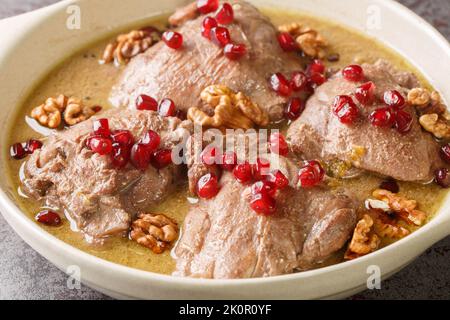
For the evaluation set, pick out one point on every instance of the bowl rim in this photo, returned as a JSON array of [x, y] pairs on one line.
[[11, 211]]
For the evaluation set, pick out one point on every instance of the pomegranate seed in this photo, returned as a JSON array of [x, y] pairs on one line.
[[442, 177], [310, 174], [278, 144], [229, 160], [140, 156], [365, 93], [294, 108], [120, 155], [280, 85], [17, 151], [299, 80], [317, 79], [287, 42], [345, 109], [261, 168], [243, 172], [393, 98], [403, 121], [97, 108], [225, 14], [167, 108], [445, 152], [32, 145], [263, 204], [390, 185], [210, 156], [235, 51], [122, 137], [279, 179], [220, 36], [100, 145], [101, 128], [144, 102], [207, 186], [207, 6], [207, 25], [353, 73], [161, 158], [173, 39], [267, 187], [49, 218], [316, 66], [382, 117], [150, 140]]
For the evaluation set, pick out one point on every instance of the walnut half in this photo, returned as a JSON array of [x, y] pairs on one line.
[[364, 240], [154, 231]]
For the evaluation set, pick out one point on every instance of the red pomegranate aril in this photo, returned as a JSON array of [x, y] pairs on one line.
[[261, 168], [442, 177], [278, 144], [225, 14], [17, 151], [235, 51], [207, 6], [229, 160], [144, 102], [173, 39], [220, 36], [100, 145], [317, 79], [161, 158], [208, 186], [210, 156], [120, 155], [294, 108], [243, 172], [167, 108], [280, 84], [49, 218], [403, 121], [390, 185], [97, 108], [316, 66], [345, 109], [287, 42], [311, 174], [122, 137], [32, 145], [393, 98], [263, 204], [140, 156], [279, 179], [299, 80], [267, 187], [382, 117], [445, 152], [207, 25], [365, 93], [151, 140], [101, 128], [353, 73]]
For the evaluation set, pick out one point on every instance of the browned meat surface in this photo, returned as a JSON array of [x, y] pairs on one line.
[[100, 199], [225, 238], [182, 74], [319, 134]]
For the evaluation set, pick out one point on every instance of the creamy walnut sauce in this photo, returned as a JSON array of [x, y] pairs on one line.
[[82, 76]]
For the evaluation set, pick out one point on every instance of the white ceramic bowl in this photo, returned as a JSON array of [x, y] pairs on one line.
[[33, 43]]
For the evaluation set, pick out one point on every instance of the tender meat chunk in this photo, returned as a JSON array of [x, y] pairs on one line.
[[100, 199], [224, 238], [182, 74], [319, 134]]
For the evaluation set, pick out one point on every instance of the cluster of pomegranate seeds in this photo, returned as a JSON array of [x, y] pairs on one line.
[[207, 6], [365, 93], [353, 73], [311, 174], [278, 144], [235, 51], [19, 150], [144, 102], [173, 39], [445, 152], [345, 109], [442, 177], [394, 99], [225, 14], [382, 117], [207, 25], [49, 218], [208, 186], [294, 108], [390, 185], [280, 84], [287, 42]]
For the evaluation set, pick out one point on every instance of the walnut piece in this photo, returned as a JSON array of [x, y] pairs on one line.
[[129, 45], [308, 39], [386, 226], [364, 239], [231, 110], [419, 97], [436, 125], [154, 231], [403, 207], [75, 112]]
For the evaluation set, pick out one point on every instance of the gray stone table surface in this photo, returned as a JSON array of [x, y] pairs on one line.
[[24, 274]]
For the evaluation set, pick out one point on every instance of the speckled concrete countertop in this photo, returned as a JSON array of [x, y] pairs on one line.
[[24, 274]]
